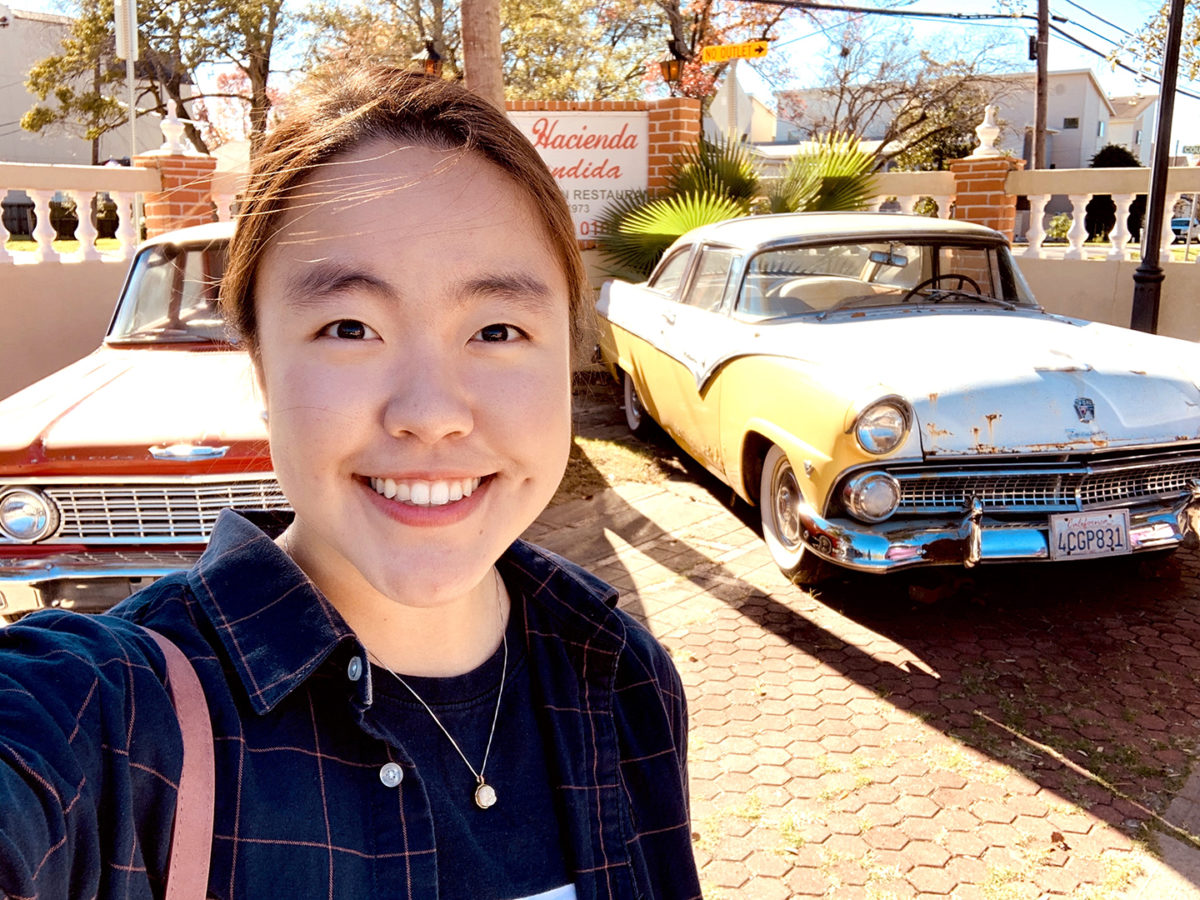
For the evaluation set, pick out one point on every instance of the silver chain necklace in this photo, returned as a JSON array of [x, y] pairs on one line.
[[485, 794]]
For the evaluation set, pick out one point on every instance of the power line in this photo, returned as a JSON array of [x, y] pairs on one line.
[[1111, 25], [972, 17]]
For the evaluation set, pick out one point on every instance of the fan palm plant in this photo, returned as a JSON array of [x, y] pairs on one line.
[[719, 180], [832, 173]]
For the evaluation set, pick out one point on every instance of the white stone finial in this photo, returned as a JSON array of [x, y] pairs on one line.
[[172, 128], [988, 131]]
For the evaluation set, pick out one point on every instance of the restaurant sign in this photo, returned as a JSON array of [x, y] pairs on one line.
[[596, 157]]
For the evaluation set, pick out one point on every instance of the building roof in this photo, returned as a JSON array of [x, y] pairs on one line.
[[34, 16], [1132, 106]]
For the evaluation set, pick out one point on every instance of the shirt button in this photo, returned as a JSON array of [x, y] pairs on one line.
[[391, 775], [354, 670]]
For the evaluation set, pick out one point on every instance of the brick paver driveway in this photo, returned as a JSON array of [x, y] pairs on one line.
[[1018, 732]]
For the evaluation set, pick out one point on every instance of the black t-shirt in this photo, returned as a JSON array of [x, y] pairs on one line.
[[515, 849]]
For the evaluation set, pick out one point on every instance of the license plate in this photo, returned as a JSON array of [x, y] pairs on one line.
[[1083, 535]]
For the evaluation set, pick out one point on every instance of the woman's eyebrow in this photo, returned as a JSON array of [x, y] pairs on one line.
[[315, 283], [518, 288], [312, 284]]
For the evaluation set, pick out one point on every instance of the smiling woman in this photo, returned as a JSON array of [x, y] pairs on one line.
[[406, 699]]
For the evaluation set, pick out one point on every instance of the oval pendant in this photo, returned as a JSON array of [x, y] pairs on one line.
[[485, 795]]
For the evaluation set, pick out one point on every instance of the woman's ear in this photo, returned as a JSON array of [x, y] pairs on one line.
[[260, 388]]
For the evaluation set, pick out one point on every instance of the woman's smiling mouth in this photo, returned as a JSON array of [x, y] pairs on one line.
[[416, 492]]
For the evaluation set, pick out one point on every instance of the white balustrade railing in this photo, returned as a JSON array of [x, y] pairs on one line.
[[80, 184], [1069, 191], [910, 187], [1049, 192]]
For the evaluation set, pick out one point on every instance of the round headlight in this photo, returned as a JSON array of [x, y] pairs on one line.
[[883, 426], [26, 516], [871, 496]]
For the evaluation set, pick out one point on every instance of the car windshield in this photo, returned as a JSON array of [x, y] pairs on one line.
[[172, 296], [821, 279]]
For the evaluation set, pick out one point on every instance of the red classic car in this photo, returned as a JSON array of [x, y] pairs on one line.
[[113, 470]]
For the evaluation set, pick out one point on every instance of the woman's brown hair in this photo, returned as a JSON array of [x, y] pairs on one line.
[[375, 103]]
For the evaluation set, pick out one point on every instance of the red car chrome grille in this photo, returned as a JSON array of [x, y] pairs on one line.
[[155, 513]]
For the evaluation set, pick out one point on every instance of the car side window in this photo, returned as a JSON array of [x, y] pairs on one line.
[[671, 273], [711, 279]]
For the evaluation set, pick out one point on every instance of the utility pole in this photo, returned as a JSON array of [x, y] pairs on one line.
[[1147, 280], [1041, 92]]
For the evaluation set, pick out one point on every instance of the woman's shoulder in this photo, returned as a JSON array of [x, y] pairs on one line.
[[587, 606]]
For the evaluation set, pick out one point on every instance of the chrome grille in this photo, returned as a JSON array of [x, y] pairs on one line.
[[157, 512], [1045, 489]]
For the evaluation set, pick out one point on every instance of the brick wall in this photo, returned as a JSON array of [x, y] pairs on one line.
[[981, 196], [186, 194]]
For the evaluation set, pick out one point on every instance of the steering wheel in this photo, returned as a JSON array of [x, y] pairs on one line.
[[963, 281]]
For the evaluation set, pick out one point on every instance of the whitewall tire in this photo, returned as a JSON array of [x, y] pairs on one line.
[[779, 503]]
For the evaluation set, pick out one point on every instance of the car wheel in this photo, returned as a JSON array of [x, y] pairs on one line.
[[779, 502], [636, 417]]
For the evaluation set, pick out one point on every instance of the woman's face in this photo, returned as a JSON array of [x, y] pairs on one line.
[[415, 361]]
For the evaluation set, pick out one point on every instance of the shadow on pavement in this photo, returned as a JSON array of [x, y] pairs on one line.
[[1083, 677]]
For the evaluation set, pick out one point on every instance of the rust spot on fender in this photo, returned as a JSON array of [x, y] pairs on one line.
[[991, 427], [934, 431]]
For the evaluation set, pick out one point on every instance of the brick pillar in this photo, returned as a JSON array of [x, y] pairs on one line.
[[981, 195], [674, 129], [186, 194]]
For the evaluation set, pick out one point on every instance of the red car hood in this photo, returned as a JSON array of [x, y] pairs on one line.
[[106, 411]]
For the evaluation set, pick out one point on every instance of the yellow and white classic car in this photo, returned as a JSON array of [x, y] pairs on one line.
[[888, 392]]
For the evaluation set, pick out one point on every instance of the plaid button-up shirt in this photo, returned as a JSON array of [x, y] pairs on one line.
[[308, 801]]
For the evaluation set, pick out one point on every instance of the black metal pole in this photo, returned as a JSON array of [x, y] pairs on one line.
[[1147, 280]]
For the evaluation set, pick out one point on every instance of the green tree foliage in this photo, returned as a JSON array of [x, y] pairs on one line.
[[568, 50], [1148, 42], [82, 88], [573, 50]]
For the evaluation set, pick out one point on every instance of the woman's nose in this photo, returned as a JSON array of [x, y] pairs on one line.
[[428, 400]]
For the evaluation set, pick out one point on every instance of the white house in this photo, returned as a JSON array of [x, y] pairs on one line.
[[25, 38]]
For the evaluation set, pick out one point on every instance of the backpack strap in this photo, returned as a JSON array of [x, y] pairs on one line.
[[191, 836]]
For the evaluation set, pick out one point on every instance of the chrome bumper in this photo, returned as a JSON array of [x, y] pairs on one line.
[[91, 581], [978, 538]]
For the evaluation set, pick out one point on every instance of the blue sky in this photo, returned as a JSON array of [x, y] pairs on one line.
[[1089, 20]]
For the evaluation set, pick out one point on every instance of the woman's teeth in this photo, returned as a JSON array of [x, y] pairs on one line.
[[425, 493]]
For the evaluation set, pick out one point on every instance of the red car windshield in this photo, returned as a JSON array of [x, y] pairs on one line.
[[172, 296]]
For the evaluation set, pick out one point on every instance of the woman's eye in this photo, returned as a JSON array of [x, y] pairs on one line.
[[494, 334], [348, 330]]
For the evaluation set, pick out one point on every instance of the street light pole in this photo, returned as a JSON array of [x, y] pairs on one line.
[[1147, 280]]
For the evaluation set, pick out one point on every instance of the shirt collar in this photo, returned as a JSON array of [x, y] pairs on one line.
[[253, 593]]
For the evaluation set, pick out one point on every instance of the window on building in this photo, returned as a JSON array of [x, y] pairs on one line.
[[1099, 129], [1071, 122], [1137, 137]]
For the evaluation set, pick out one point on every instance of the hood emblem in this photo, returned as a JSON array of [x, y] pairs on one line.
[[186, 452], [1085, 409]]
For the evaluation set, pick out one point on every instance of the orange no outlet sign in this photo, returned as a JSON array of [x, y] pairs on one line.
[[723, 52]]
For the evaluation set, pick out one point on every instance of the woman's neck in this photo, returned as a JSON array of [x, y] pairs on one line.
[[450, 637]]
